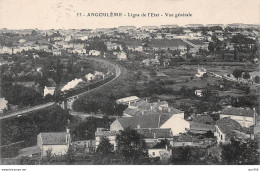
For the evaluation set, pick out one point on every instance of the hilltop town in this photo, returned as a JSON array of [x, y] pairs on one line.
[[151, 95]]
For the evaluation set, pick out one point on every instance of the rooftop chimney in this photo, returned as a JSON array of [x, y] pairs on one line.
[[67, 130]]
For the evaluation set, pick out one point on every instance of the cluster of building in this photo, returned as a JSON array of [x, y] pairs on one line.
[[160, 38], [158, 121]]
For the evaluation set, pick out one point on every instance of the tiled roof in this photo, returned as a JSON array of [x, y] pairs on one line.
[[141, 103], [201, 126], [144, 108], [132, 112], [144, 121], [166, 43], [238, 111], [51, 83], [206, 119], [54, 138], [155, 132], [183, 138], [106, 133], [175, 111], [227, 125]]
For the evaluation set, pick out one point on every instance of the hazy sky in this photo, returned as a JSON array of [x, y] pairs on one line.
[[47, 14]]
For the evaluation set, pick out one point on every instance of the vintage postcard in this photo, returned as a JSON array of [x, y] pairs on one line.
[[129, 82]]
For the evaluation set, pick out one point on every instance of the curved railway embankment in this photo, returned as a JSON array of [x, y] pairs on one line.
[[117, 69], [73, 97]]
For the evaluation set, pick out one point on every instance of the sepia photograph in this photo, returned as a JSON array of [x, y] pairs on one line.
[[129, 82]]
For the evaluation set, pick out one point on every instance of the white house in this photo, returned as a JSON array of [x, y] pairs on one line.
[[57, 142], [201, 71], [199, 93], [5, 49], [122, 56], [56, 52], [245, 117], [94, 53], [139, 48], [177, 124], [48, 90], [80, 51], [227, 128], [22, 41], [83, 37], [90, 77], [128, 100], [3, 104], [111, 135], [163, 153]]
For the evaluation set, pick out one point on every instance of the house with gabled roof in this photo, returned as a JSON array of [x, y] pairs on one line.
[[202, 118], [182, 140], [49, 90], [57, 142], [156, 120], [154, 135], [127, 100], [143, 121], [150, 135], [111, 135], [227, 128], [143, 107], [201, 128], [245, 117], [3, 105]]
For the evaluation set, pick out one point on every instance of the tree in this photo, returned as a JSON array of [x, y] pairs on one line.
[[104, 147], [239, 152], [257, 80], [246, 75], [204, 76], [153, 72], [49, 155], [86, 130], [211, 46], [181, 155], [48, 98], [33, 33], [154, 88], [188, 48], [237, 73], [69, 157], [235, 54], [138, 75], [131, 145]]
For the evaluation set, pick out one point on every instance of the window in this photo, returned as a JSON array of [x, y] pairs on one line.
[[153, 153], [221, 137]]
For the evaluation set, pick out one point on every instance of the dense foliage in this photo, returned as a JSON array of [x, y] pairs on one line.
[[239, 152], [26, 128], [131, 145]]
